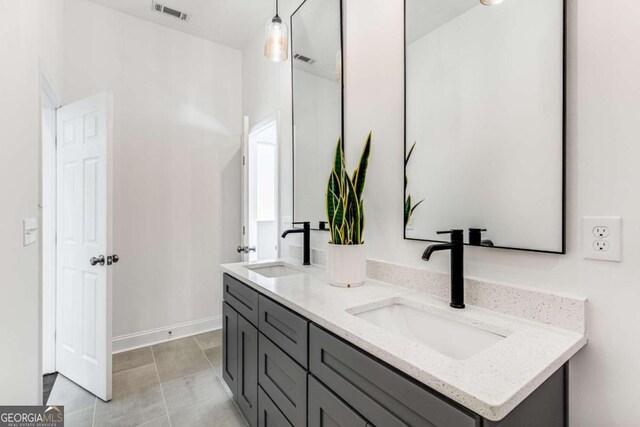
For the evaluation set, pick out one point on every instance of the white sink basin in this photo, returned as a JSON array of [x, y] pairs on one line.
[[446, 336], [273, 270]]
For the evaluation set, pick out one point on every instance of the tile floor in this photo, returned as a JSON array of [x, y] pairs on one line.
[[177, 383]]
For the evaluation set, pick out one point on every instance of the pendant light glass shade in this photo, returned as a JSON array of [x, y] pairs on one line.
[[276, 44], [491, 2]]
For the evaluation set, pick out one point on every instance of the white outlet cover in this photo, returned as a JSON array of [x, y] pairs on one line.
[[595, 247]]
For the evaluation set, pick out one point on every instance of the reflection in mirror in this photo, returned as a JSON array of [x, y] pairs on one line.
[[485, 110], [316, 45]]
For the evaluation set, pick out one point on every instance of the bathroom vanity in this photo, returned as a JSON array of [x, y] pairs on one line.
[[299, 352]]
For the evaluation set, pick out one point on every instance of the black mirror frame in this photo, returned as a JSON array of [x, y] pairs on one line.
[[563, 249], [293, 139]]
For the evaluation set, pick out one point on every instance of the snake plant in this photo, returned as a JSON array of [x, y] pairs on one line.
[[344, 198], [408, 208]]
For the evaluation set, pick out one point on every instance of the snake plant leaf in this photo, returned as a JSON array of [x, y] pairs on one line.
[[354, 206], [406, 159], [339, 164], [414, 207], [407, 210], [360, 174], [338, 222], [333, 193]]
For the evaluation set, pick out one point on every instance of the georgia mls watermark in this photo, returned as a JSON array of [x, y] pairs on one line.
[[32, 416]]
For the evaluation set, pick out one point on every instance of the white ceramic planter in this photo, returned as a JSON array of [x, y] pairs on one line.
[[347, 265]]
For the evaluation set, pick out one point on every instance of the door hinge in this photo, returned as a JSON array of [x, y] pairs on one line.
[[243, 160], [243, 230]]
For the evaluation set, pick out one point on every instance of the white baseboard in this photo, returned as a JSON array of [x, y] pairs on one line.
[[167, 333]]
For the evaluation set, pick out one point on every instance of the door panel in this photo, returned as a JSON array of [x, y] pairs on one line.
[[230, 348], [248, 370], [83, 300], [327, 410]]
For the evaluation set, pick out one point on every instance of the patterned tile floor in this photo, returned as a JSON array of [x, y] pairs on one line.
[[177, 383]]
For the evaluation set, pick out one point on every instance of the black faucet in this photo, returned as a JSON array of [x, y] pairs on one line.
[[306, 230], [475, 237], [457, 264]]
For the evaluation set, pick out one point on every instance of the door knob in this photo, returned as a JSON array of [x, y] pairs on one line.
[[245, 249], [112, 259], [99, 260]]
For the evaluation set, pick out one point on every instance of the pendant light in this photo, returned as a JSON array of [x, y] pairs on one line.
[[491, 2], [276, 43]]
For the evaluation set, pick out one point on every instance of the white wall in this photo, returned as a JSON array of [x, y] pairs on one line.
[[31, 38], [177, 107], [603, 151], [484, 107]]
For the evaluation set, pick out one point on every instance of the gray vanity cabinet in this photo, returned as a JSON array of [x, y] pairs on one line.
[[287, 372]]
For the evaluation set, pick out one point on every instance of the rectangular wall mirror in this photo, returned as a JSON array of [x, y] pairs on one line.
[[484, 131], [316, 68]]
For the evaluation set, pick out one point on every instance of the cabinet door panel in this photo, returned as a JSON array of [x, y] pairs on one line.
[[241, 297], [285, 328], [327, 410], [283, 380], [248, 370], [383, 396], [268, 413], [230, 347]]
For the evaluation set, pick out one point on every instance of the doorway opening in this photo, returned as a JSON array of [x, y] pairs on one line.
[[261, 163]]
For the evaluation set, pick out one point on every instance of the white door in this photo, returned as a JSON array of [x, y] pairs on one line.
[[83, 293]]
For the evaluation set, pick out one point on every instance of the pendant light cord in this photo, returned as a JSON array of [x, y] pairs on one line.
[[276, 7]]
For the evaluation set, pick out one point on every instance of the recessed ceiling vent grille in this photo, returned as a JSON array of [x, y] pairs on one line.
[[168, 11], [303, 58]]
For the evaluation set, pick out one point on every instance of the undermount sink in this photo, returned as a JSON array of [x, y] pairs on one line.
[[444, 335], [280, 269]]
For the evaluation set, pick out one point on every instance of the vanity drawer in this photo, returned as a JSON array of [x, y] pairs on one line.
[[284, 381], [268, 413], [381, 395], [242, 298], [285, 328], [327, 410]]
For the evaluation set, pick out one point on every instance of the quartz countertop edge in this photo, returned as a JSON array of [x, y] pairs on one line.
[[491, 383]]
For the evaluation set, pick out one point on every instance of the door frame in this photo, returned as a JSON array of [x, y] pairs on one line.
[[48, 158], [268, 121]]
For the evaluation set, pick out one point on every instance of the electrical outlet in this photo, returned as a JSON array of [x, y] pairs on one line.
[[601, 245], [602, 238], [601, 231]]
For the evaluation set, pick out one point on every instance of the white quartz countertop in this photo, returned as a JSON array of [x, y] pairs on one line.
[[491, 383]]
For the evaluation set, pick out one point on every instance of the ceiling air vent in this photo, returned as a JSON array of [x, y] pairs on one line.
[[168, 11], [303, 58]]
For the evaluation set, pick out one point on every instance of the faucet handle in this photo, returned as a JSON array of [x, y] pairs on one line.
[[457, 235]]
